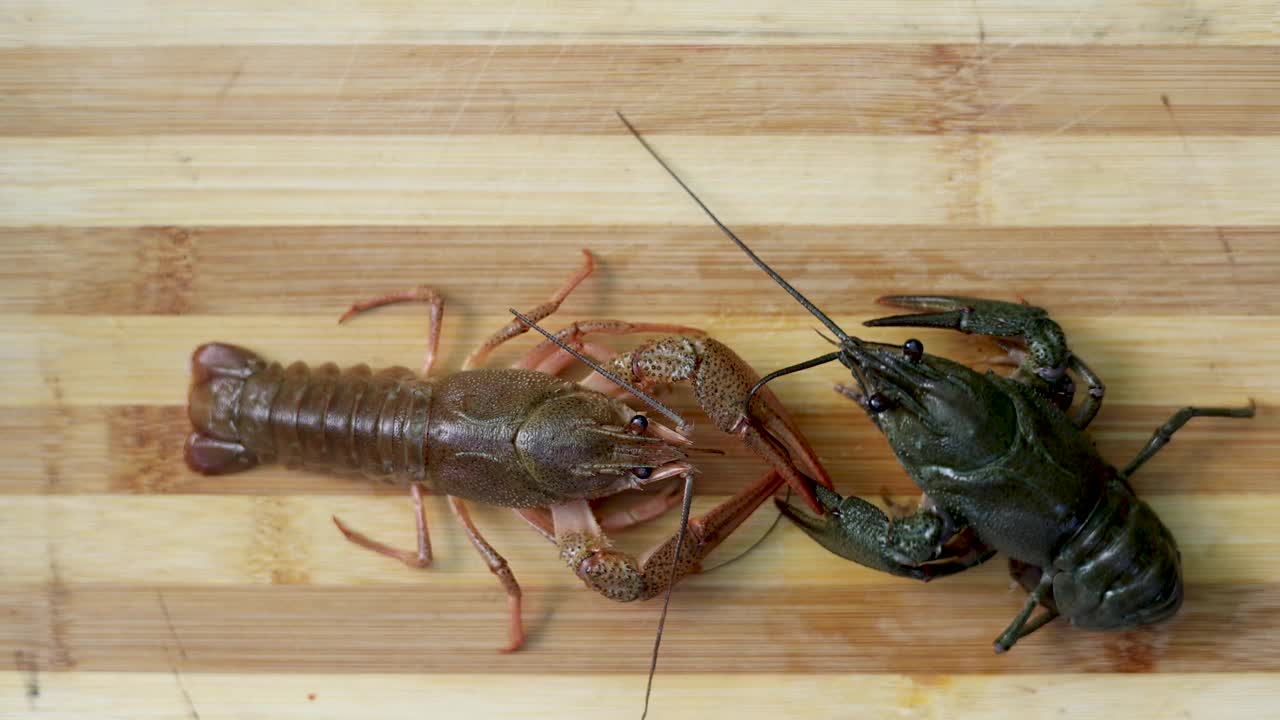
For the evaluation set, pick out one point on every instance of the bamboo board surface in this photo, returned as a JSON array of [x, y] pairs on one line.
[[172, 174]]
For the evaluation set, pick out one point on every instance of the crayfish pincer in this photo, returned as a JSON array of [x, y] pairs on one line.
[[1003, 467], [554, 450]]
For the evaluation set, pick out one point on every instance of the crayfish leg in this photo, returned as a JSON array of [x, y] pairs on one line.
[[517, 327], [704, 534], [499, 567], [1164, 433], [619, 576], [419, 559], [619, 512], [1023, 625], [420, 293]]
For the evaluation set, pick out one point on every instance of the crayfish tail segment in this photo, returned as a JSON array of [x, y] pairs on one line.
[[211, 361], [218, 372], [211, 456]]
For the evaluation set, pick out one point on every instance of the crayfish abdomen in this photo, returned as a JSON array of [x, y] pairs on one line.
[[1122, 568]]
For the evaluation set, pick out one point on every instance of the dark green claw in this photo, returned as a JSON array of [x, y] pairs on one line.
[[913, 546], [1048, 357], [966, 314]]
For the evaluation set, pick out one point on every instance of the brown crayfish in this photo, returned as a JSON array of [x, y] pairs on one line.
[[519, 437]]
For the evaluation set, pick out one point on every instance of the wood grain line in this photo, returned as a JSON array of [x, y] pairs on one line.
[[549, 89], [791, 629], [323, 696], [1023, 180], [132, 23], [231, 541]]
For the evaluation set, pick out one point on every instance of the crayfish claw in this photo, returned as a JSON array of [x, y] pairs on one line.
[[1043, 364], [995, 318]]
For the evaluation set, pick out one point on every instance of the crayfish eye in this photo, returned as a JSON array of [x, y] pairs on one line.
[[878, 403], [642, 472], [913, 350], [638, 424]]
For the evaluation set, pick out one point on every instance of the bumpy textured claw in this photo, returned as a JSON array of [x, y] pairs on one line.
[[919, 546], [721, 382], [1044, 337], [1047, 359], [619, 576]]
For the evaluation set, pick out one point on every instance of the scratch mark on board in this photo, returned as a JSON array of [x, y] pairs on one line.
[[168, 621], [484, 67], [1182, 134], [182, 687], [1209, 203], [230, 82], [323, 121], [1226, 246], [31, 665]]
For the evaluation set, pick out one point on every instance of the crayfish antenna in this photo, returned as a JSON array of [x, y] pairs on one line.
[[818, 332], [831, 325], [666, 602], [596, 366]]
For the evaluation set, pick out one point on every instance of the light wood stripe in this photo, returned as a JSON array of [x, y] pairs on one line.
[[132, 23], [194, 541], [550, 89], [57, 360], [557, 180], [825, 695]]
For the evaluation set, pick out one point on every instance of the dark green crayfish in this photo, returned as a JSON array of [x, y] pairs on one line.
[[1001, 463], [1002, 466]]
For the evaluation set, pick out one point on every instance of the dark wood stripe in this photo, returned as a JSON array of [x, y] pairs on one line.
[[461, 89], [138, 450], [899, 627], [239, 270]]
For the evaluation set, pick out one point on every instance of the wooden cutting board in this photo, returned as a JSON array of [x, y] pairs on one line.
[[177, 173]]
